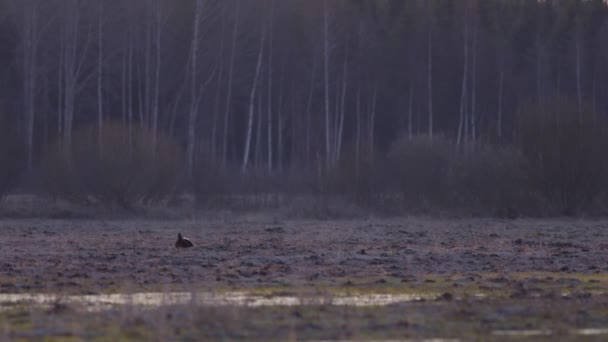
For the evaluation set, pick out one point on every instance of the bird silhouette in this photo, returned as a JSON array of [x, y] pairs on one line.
[[182, 242]]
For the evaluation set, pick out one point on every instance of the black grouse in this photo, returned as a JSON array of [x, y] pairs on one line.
[[182, 242]]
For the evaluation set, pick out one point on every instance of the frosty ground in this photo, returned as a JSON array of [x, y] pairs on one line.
[[466, 277]]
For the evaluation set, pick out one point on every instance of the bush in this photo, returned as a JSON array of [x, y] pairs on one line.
[[361, 180], [124, 170], [476, 179], [209, 182], [564, 148], [12, 160], [421, 169], [490, 180]]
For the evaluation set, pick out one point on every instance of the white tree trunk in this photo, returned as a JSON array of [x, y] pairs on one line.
[[308, 109], [30, 61], [157, 67], [463, 92], [74, 58], [281, 123], [257, 159], [410, 113], [193, 112], [579, 88], [326, 60], [501, 81], [340, 126], [358, 129], [430, 75], [218, 92], [130, 49], [473, 111], [100, 56], [269, 107], [252, 95], [372, 123], [235, 32]]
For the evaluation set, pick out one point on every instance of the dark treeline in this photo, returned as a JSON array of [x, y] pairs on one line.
[[277, 84]]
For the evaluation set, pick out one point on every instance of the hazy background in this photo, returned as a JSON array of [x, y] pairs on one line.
[[496, 107]]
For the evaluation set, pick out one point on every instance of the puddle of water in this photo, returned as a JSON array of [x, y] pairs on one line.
[[107, 301], [532, 333], [408, 340], [591, 332], [522, 333], [94, 303]]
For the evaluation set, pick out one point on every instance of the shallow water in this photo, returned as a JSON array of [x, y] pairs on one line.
[[155, 299], [102, 302], [538, 333]]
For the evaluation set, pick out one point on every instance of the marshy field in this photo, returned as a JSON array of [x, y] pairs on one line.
[[256, 277]]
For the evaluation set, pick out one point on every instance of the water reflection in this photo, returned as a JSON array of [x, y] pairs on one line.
[[107, 301], [533, 333]]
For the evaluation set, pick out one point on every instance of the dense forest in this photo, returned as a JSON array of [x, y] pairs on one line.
[[278, 85]]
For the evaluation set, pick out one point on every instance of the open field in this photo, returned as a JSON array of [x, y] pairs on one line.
[[260, 278]]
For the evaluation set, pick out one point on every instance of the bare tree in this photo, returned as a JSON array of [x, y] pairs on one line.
[[465, 74], [269, 86], [31, 42], [228, 107], [100, 57], [252, 97], [326, 61], [193, 111], [74, 49], [158, 23], [430, 69]]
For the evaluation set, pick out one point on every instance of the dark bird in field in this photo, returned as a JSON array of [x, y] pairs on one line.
[[182, 242]]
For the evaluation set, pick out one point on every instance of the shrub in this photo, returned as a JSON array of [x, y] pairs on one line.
[[209, 182], [421, 168], [12, 160], [361, 180], [490, 181], [126, 169], [564, 148]]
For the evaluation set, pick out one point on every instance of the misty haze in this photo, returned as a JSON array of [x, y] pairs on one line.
[[270, 170]]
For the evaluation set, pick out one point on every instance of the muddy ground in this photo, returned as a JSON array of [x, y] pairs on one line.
[[486, 279], [98, 256]]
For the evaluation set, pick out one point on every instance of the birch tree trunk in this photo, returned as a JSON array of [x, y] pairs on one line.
[[257, 158], [30, 62], [218, 91], [410, 113], [539, 71], [326, 60], [430, 74], [473, 111], [146, 75], [501, 82], [308, 109], [269, 107], [340, 125], [235, 32], [123, 84], [372, 124], [192, 116], [130, 49], [579, 88], [74, 59], [157, 69], [464, 86], [100, 56], [281, 122], [358, 129], [252, 96]]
